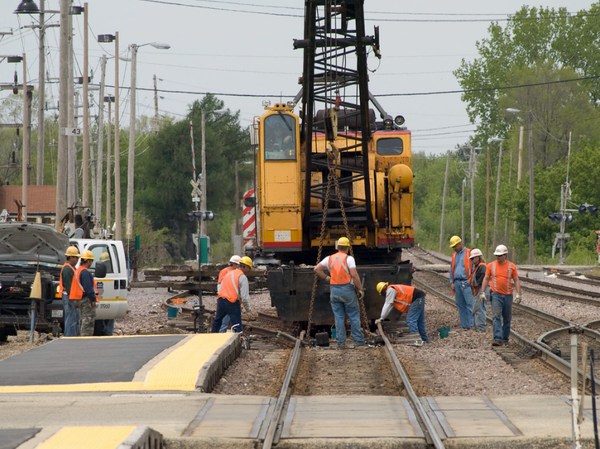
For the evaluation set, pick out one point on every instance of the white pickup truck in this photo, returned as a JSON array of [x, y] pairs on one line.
[[29, 248], [114, 286]]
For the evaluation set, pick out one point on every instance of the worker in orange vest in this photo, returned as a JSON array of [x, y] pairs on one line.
[[406, 299], [345, 291], [475, 281], [234, 288], [234, 263], [500, 275], [83, 292], [460, 270], [67, 274]]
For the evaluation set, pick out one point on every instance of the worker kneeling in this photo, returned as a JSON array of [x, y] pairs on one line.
[[405, 299]]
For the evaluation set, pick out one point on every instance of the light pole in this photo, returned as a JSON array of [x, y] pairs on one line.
[[495, 237], [131, 160], [530, 120], [107, 38]]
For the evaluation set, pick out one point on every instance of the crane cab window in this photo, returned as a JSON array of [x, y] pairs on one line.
[[280, 137], [392, 146]]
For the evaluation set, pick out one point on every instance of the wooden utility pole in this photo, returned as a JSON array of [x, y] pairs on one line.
[[27, 97], [237, 201], [462, 209], [156, 119], [100, 144], [85, 156], [519, 168], [444, 201], [531, 210], [62, 157], [495, 241], [108, 169], [117, 147], [510, 162], [41, 99], [487, 201], [72, 190]]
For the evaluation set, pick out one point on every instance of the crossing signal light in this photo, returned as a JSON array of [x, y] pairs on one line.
[[568, 218], [593, 210], [202, 215], [583, 209], [555, 218]]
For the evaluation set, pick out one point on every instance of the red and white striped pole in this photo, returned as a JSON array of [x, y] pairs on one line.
[[249, 223]]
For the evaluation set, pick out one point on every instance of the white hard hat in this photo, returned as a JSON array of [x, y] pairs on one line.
[[500, 250], [475, 252], [235, 259]]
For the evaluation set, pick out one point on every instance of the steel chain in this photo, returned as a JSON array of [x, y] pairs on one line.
[[363, 309], [330, 176]]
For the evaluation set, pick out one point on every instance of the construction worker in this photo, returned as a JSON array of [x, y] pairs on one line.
[[345, 290], [83, 292], [408, 300], [234, 289], [498, 276], [475, 281], [234, 263], [67, 273], [460, 270]]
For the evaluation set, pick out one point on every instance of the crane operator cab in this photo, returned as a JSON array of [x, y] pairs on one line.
[[280, 137]]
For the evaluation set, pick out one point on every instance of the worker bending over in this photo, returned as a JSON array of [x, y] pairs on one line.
[[234, 292]]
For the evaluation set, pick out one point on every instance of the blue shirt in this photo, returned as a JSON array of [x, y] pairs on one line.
[[459, 267], [87, 282]]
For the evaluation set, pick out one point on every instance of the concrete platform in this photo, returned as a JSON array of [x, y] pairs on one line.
[[116, 391]]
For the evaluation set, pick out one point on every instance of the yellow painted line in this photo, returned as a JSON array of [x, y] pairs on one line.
[[88, 438], [177, 371]]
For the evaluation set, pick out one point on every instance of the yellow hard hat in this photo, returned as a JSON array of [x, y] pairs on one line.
[[246, 261], [381, 287], [454, 240], [104, 257], [87, 255], [72, 251], [343, 241]]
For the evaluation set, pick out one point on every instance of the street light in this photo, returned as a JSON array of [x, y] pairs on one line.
[[530, 117], [131, 160]]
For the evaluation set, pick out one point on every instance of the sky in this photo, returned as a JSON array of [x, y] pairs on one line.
[[242, 51]]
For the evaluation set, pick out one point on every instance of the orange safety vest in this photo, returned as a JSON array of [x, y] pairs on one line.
[[498, 277], [230, 286], [223, 272], [61, 288], [338, 269], [474, 289], [404, 297], [76, 287], [468, 266]]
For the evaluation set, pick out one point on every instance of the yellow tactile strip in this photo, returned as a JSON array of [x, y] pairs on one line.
[[88, 438], [177, 371]]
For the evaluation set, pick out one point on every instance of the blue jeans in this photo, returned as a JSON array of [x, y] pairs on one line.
[[415, 318], [104, 327], [344, 302], [464, 301], [479, 311], [71, 317], [501, 315], [224, 324], [224, 308]]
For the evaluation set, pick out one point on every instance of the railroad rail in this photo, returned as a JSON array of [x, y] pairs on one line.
[[273, 434], [541, 350]]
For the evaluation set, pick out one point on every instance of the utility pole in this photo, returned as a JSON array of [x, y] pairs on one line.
[[462, 209], [530, 115], [473, 172], [27, 96], [41, 100], [237, 201], [109, 100], [509, 184], [85, 158], [156, 121], [203, 179], [100, 143], [117, 147], [131, 157], [519, 167], [72, 194], [487, 201], [62, 157], [497, 195], [444, 202]]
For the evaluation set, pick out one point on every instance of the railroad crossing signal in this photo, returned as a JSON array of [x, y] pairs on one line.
[[196, 193], [558, 217], [593, 210], [203, 215]]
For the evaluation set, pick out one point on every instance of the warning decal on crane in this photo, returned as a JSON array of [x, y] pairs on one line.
[[249, 222]]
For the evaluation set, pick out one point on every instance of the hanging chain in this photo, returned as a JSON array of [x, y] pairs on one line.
[[330, 176], [363, 311]]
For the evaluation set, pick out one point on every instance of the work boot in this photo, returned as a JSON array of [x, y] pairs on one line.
[[497, 343]]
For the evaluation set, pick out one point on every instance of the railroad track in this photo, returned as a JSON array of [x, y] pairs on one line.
[[381, 357], [543, 338]]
